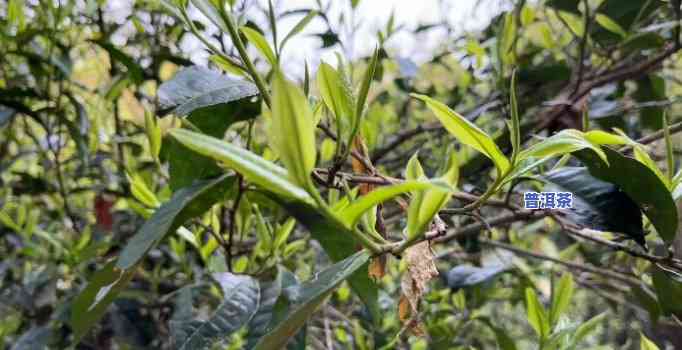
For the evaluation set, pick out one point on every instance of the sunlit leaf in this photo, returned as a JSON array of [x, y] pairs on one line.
[[466, 132], [561, 297], [293, 130], [536, 314], [258, 40], [256, 169]]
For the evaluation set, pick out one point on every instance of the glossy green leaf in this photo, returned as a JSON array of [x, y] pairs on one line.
[[91, 304], [185, 165], [259, 41], [185, 204], [466, 132], [253, 167], [351, 214], [198, 87], [303, 300], [271, 290], [639, 183], [597, 204], [241, 299], [293, 130], [561, 297], [536, 314], [563, 142]]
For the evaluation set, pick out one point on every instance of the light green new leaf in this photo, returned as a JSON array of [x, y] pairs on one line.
[[646, 344], [258, 40], [536, 314], [153, 132], [610, 25], [335, 93], [563, 142], [561, 297], [466, 132], [293, 130], [298, 27], [515, 126], [426, 204], [507, 38], [600, 137], [414, 170], [351, 214], [141, 192], [254, 168], [366, 82]]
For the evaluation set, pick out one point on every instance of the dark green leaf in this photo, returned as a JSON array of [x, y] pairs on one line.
[[338, 243], [197, 87], [186, 165], [241, 298], [640, 184], [185, 203], [597, 204], [466, 276], [304, 299], [91, 304], [669, 291], [256, 169]]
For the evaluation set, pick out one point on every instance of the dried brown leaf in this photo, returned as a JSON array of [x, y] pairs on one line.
[[421, 269]]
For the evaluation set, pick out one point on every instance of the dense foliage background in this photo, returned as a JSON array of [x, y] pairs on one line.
[[154, 199]]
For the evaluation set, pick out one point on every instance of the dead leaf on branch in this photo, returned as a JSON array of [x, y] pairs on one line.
[[421, 269]]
